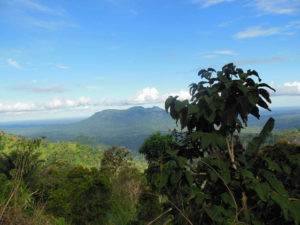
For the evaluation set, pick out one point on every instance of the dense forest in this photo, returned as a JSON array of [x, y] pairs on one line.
[[206, 172]]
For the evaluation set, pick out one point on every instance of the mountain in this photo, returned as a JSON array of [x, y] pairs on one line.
[[126, 128], [130, 127]]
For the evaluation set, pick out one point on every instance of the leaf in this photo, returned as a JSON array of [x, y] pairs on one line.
[[212, 174], [295, 209], [247, 174], [286, 169], [192, 109], [179, 105], [163, 179], [275, 183], [189, 177], [263, 190], [256, 142], [265, 94], [175, 177], [263, 104], [168, 102], [273, 165], [201, 72], [283, 203]]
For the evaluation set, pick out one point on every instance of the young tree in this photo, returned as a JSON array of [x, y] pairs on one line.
[[209, 178]]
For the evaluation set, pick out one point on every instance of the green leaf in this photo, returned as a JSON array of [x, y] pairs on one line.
[[256, 142], [294, 208], [168, 102], [179, 105], [263, 104], [175, 177], [275, 183], [247, 174], [163, 179], [227, 199], [263, 190], [272, 165], [192, 109], [189, 177], [212, 174], [283, 203], [286, 169], [265, 94]]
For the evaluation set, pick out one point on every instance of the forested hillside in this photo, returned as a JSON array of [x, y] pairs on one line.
[[121, 127], [130, 127]]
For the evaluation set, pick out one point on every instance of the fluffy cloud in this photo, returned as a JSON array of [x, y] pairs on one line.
[[143, 97], [147, 95], [13, 63], [182, 95], [60, 103], [288, 88]]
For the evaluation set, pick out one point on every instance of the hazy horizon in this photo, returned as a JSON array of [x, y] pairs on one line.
[[61, 59]]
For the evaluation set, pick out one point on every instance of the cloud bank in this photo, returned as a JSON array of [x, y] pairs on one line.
[[143, 97]]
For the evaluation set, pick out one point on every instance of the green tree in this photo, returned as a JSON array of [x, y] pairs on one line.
[[84, 197], [208, 177]]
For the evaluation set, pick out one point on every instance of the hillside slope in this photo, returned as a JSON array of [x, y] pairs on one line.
[[121, 127]]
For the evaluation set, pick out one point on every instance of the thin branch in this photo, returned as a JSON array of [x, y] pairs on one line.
[[161, 215]]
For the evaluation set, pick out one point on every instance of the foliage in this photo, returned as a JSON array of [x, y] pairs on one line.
[[16, 205], [204, 185], [84, 197]]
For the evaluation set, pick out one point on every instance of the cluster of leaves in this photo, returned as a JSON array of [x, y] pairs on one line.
[[203, 175], [220, 106]]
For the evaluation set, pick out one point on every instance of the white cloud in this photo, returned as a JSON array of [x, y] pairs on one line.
[[261, 6], [208, 3], [62, 67], [182, 95], [13, 63], [225, 52], [257, 31], [215, 54], [288, 88], [53, 89], [18, 107], [259, 61], [276, 6], [147, 95], [41, 8], [61, 103], [142, 97]]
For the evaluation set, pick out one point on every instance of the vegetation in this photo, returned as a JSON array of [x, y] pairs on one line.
[[200, 174], [205, 176]]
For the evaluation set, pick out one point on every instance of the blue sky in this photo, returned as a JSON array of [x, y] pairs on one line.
[[72, 58]]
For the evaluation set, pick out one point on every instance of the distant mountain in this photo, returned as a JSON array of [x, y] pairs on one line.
[[126, 128], [130, 127]]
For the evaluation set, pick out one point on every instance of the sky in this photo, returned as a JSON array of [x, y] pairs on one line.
[[65, 59]]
